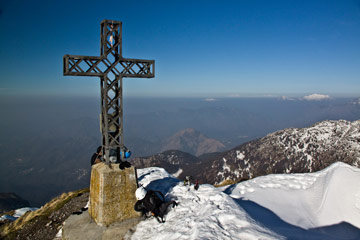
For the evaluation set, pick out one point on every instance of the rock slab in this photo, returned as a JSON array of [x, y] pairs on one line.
[[79, 227], [112, 194]]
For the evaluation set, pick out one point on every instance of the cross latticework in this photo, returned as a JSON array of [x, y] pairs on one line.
[[111, 67]]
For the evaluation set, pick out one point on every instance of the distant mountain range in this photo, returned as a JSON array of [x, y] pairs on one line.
[[51, 166], [191, 141], [187, 140], [293, 150], [10, 201], [290, 150], [50, 154]]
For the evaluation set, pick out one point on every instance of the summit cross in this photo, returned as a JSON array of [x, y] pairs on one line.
[[111, 67]]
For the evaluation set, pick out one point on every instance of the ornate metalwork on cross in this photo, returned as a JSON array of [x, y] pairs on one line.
[[111, 67]]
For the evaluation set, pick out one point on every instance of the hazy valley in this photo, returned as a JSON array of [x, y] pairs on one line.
[[46, 144]]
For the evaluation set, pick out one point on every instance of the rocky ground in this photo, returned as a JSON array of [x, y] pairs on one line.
[[47, 221]]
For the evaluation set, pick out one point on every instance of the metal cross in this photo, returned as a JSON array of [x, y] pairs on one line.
[[111, 67]]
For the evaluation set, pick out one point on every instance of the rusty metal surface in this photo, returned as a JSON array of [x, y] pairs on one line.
[[111, 67]]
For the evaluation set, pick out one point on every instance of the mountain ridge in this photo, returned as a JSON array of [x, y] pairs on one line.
[[292, 150], [192, 141], [10, 201]]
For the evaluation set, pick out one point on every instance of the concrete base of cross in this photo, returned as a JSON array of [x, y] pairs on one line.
[[83, 227], [112, 194]]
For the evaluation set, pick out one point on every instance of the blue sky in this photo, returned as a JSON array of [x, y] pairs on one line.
[[201, 48]]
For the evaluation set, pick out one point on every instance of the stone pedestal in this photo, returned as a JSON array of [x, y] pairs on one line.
[[112, 194]]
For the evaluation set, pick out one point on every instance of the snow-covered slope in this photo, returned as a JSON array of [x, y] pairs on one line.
[[204, 214], [292, 150], [321, 205], [321, 138], [308, 200]]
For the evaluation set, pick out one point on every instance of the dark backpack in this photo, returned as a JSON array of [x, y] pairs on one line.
[[154, 202], [93, 158], [156, 198]]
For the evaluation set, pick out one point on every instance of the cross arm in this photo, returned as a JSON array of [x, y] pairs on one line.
[[99, 66], [83, 66], [134, 68]]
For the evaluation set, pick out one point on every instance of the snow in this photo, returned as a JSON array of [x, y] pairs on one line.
[[309, 200], [226, 167], [18, 213], [59, 233], [240, 155], [22, 211], [321, 205], [207, 213], [7, 217], [304, 145], [177, 173]]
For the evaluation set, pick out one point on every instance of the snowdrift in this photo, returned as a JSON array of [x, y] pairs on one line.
[[322, 205], [308, 200]]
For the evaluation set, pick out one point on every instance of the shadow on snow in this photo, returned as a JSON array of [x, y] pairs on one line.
[[163, 185], [270, 220]]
